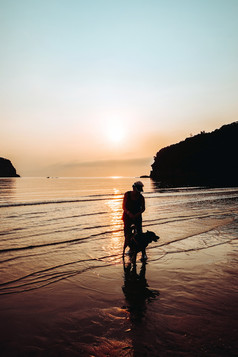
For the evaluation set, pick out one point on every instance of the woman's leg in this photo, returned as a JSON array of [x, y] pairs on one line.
[[127, 233]]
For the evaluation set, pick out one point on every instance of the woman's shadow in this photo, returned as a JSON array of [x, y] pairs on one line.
[[136, 291]]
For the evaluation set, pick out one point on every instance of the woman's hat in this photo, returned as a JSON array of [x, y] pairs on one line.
[[138, 185]]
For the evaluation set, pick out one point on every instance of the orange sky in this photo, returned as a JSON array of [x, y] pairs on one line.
[[98, 90]]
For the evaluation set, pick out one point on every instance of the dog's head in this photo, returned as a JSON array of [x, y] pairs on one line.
[[151, 236]]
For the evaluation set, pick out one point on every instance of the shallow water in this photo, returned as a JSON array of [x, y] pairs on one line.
[[63, 287]]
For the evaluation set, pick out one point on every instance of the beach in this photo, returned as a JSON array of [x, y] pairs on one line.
[[64, 288]]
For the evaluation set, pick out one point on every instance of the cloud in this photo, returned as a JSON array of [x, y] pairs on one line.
[[128, 167]]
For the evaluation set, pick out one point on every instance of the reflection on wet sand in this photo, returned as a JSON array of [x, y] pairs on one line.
[[138, 296], [136, 291]]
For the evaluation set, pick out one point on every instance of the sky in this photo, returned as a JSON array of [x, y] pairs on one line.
[[98, 87]]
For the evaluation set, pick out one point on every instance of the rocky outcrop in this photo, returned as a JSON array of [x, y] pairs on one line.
[[207, 159], [7, 169]]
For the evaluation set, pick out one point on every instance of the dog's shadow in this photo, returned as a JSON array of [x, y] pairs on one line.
[[136, 291]]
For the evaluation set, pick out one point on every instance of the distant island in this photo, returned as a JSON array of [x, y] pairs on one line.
[[206, 159], [7, 169]]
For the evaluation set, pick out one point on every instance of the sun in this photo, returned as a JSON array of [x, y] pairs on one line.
[[115, 131]]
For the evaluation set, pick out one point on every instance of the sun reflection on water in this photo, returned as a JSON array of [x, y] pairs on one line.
[[116, 224]]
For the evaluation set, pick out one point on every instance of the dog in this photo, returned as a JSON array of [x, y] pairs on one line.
[[138, 243]]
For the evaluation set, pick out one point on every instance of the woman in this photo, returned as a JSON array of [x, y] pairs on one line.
[[133, 207]]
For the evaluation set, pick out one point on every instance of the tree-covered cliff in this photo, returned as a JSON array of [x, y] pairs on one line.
[[207, 159], [7, 169]]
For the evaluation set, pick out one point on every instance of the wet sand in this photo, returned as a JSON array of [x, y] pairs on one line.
[[184, 304]]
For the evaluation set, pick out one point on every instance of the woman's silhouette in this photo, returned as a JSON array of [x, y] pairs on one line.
[[133, 207]]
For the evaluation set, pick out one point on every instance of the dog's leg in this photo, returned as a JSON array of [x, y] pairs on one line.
[[124, 248], [143, 255], [126, 244], [133, 258]]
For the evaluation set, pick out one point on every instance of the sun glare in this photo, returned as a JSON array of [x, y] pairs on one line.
[[115, 132]]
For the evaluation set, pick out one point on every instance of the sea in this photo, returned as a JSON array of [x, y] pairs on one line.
[[64, 289]]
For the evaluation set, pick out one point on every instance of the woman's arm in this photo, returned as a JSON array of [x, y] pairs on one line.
[[124, 206], [142, 208]]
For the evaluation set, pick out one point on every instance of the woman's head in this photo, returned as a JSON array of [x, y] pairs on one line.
[[138, 186]]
